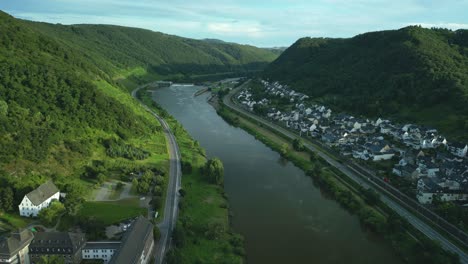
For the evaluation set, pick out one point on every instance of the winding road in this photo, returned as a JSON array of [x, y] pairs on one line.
[[172, 198], [356, 176]]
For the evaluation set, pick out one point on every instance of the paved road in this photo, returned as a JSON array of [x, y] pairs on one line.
[[172, 198], [358, 178]]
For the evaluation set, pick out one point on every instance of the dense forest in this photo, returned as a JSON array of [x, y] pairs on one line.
[[113, 48], [64, 110], [412, 74]]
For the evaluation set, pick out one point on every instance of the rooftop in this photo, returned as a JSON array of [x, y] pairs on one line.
[[9, 246], [133, 242], [42, 193]]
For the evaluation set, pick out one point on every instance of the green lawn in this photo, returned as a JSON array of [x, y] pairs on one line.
[[13, 220], [113, 212]]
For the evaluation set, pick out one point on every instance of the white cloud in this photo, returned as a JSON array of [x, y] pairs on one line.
[[453, 26], [236, 29]]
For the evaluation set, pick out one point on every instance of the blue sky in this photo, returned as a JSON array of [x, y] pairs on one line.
[[261, 23]]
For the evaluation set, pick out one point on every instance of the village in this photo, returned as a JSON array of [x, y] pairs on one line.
[[437, 165]]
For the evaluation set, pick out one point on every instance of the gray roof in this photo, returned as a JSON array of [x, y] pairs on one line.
[[57, 242], [9, 246], [134, 242], [103, 245], [42, 193]]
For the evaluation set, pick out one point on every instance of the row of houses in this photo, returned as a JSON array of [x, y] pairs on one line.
[[24, 247], [443, 171]]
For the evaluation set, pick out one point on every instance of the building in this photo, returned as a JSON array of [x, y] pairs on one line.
[[458, 149], [137, 244], [38, 199], [67, 245], [100, 250], [445, 190], [14, 249]]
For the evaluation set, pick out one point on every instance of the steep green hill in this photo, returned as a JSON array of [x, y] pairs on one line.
[[66, 115], [412, 74], [58, 83]]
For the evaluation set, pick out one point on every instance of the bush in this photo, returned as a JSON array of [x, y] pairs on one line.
[[156, 233], [157, 202], [157, 190], [49, 215]]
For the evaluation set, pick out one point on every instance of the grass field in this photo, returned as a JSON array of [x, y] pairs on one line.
[[113, 212], [13, 221]]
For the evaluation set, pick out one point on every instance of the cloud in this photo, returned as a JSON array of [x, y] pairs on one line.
[[261, 23], [453, 26], [236, 29]]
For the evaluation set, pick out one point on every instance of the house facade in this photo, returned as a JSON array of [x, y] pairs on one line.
[[38, 199], [103, 250], [14, 248]]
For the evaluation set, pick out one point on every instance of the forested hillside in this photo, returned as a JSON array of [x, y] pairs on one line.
[[62, 98], [113, 48], [52, 79], [412, 74]]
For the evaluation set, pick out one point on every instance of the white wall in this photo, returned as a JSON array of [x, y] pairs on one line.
[[26, 208], [104, 254]]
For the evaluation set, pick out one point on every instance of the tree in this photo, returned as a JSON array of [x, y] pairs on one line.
[[284, 149], [313, 156], [50, 214], [3, 108], [157, 190], [156, 233], [179, 236], [73, 203], [52, 259], [7, 199], [160, 180], [371, 197], [298, 145], [143, 187], [101, 178], [182, 192], [134, 185], [214, 169], [119, 186], [157, 202]]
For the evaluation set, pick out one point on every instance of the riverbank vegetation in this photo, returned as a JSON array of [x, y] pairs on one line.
[[203, 233], [411, 245]]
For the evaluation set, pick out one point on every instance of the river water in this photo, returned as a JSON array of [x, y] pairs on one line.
[[282, 215]]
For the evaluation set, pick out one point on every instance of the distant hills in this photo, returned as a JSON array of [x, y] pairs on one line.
[[64, 89], [412, 74], [114, 47]]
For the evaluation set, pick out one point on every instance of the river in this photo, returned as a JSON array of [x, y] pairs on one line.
[[282, 215]]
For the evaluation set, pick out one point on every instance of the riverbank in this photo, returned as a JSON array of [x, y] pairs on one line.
[[412, 248], [202, 233]]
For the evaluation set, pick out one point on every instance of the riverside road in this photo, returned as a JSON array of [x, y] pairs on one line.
[[172, 198]]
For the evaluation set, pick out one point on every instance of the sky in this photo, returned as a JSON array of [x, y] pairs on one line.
[[273, 23]]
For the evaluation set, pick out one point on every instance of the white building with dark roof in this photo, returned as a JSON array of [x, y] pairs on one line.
[[103, 250], [38, 199]]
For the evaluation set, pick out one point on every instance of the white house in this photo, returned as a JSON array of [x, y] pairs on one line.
[[38, 199], [100, 250], [458, 149]]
